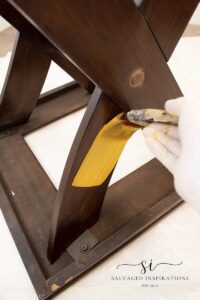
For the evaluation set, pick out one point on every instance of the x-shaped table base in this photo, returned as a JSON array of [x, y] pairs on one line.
[[102, 43]]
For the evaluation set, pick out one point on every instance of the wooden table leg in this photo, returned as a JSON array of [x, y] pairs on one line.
[[167, 20], [78, 208], [125, 214], [28, 68], [26, 28], [124, 48]]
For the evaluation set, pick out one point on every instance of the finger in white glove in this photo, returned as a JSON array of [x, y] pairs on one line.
[[170, 130], [174, 106], [163, 147], [178, 149]]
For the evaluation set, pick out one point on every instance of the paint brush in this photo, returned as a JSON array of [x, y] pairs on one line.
[[144, 117], [108, 145]]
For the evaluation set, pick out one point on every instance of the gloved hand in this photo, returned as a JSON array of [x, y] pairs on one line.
[[178, 148]]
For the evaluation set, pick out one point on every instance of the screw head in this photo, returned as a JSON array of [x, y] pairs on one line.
[[84, 248]]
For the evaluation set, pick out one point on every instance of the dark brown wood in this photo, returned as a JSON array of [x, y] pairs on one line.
[[167, 20], [70, 68], [9, 13], [108, 49], [75, 209], [60, 103], [27, 196], [119, 83], [23, 26], [28, 68], [53, 105], [69, 220], [119, 238]]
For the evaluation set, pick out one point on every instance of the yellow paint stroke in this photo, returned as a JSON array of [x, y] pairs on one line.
[[104, 153]]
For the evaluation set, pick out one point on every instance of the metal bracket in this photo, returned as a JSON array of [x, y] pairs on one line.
[[82, 245]]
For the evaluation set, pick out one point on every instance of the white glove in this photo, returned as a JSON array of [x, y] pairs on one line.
[[178, 148]]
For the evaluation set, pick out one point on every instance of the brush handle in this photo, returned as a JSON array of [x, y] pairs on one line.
[[144, 117]]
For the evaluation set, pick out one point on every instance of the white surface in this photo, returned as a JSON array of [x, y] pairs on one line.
[[174, 238], [4, 62], [196, 16], [3, 24], [55, 78]]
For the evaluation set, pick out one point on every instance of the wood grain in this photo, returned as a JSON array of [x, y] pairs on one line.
[[168, 20], [75, 208], [111, 52], [27, 71], [109, 49], [22, 25]]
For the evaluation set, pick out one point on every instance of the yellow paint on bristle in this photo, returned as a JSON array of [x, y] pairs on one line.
[[104, 153]]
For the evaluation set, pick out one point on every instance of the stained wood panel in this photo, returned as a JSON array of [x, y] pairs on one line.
[[122, 55], [22, 25], [108, 49], [167, 20], [75, 208]]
